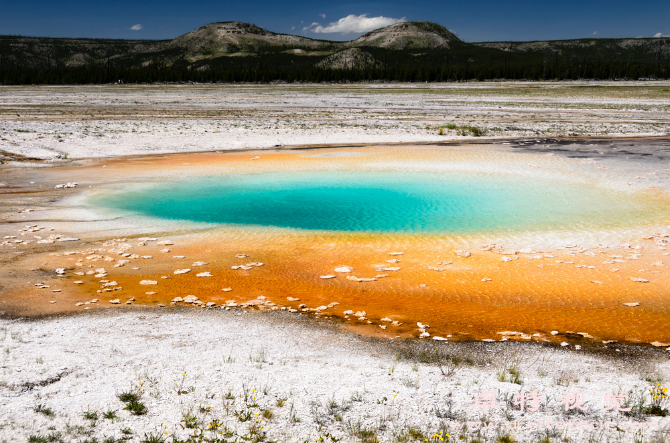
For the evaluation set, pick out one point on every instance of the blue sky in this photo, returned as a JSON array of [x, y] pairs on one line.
[[472, 20]]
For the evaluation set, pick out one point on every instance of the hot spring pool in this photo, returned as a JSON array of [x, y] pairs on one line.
[[385, 201]]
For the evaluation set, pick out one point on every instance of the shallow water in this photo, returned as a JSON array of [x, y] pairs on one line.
[[386, 201]]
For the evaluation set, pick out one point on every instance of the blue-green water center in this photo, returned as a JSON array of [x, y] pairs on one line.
[[411, 202]]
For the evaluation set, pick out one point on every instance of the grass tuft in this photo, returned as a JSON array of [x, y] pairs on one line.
[[415, 433], [505, 438], [136, 407], [189, 421], [41, 409], [364, 435], [90, 415], [153, 438], [129, 396], [49, 438]]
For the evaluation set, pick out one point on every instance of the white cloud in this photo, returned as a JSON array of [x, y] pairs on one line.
[[353, 23], [595, 32], [660, 34], [136, 27], [322, 15], [292, 28]]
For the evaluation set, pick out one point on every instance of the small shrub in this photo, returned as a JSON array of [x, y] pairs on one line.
[[280, 402], [463, 129], [448, 364], [637, 403], [659, 398], [109, 415], [267, 413], [477, 132], [655, 410]]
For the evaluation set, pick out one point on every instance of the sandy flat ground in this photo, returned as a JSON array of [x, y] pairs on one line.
[[108, 121], [314, 379], [336, 383]]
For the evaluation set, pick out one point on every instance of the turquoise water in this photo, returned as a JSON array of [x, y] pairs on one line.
[[383, 202]]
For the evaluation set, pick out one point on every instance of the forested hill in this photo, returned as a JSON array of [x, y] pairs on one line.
[[407, 51]]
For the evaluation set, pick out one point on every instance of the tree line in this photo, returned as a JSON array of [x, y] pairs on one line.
[[599, 70]]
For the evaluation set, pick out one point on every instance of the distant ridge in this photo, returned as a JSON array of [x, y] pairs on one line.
[[407, 35], [659, 46], [232, 37], [406, 51]]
